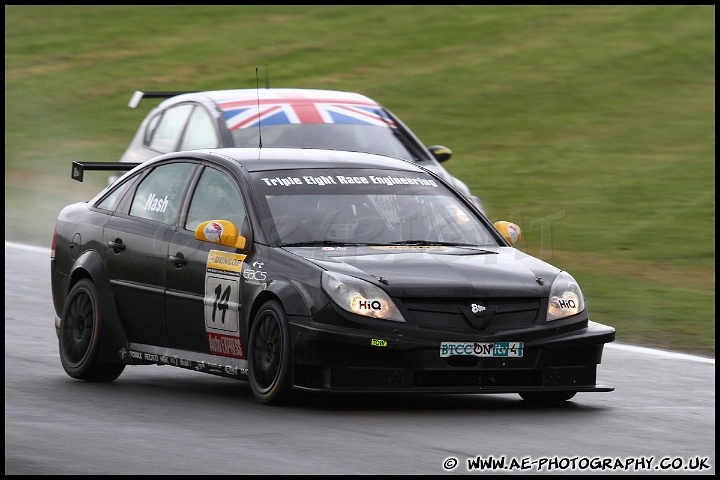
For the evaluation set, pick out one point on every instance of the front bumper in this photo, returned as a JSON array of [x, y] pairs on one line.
[[329, 358]]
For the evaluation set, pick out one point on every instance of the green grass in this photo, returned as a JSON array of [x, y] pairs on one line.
[[592, 127]]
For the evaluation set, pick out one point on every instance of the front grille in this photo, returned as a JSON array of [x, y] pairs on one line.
[[472, 378], [397, 379], [457, 315]]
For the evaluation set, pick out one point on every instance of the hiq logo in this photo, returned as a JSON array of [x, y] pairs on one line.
[[566, 303], [370, 304]]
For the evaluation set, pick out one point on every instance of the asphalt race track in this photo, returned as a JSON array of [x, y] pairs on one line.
[[162, 420]]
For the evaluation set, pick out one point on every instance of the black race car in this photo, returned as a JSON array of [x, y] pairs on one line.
[[314, 270]]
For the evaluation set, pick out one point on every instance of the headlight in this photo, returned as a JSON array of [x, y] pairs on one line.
[[359, 296], [566, 299]]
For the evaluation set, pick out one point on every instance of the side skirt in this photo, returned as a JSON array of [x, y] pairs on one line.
[[140, 354]]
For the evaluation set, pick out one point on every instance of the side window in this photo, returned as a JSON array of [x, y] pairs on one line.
[[150, 129], [166, 135], [159, 194], [112, 200], [200, 132], [216, 197]]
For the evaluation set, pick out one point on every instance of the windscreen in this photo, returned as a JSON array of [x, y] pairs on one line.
[[375, 207], [381, 140]]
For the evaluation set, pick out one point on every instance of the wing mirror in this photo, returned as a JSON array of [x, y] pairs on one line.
[[221, 232], [510, 231], [440, 153]]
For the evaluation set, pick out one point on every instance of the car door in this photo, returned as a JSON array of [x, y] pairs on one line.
[[204, 299], [136, 251]]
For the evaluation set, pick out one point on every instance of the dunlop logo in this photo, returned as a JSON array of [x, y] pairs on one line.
[[230, 262]]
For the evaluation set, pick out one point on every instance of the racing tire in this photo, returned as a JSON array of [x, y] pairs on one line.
[[547, 397], [80, 333], [270, 355]]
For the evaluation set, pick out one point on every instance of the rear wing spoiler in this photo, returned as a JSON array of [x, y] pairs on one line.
[[78, 168], [138, 96]]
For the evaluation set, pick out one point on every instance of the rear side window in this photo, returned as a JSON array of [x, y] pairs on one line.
[[168, 128], [200, 132], [112, 200], [159, 194]]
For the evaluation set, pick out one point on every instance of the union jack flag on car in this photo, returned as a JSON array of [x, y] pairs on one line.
[[282, 106]]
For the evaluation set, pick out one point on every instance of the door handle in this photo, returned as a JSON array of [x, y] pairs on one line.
[[178, 259], [117, 245]]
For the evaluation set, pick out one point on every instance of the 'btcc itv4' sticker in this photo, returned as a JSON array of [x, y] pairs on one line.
[[482, 349]]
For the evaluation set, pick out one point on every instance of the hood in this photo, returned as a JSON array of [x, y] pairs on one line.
[[410, 271]]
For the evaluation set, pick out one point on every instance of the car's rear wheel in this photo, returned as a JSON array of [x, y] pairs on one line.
[[547, 397], [80, 333], [270, 355]]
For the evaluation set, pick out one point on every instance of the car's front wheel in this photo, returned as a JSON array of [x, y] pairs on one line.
[[80, 333], [547, 397], [270, 355]]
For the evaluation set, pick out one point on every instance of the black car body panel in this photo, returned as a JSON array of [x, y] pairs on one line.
[[453, 309]]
